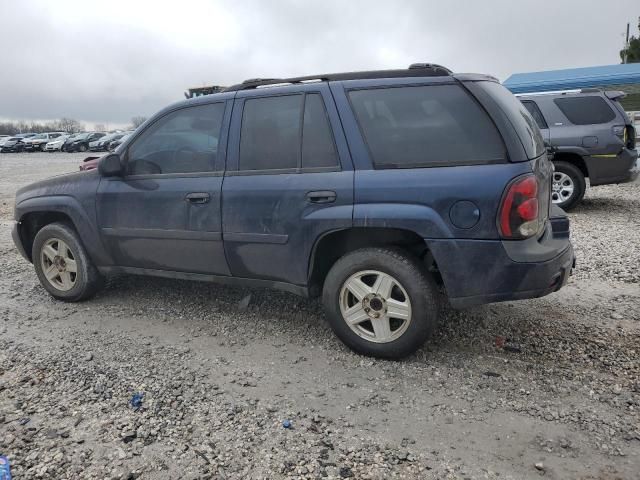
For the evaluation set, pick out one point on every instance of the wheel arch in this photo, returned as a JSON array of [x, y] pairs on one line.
[[35, 213], [574, 159], [334, 244]]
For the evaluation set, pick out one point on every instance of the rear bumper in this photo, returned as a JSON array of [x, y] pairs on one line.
[[476, 272], [606, 169]]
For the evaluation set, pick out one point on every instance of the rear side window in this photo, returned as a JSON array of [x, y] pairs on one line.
[[318, 148], [585, 110], [286, 132], [270, 135], [422, 126], [535, 113]]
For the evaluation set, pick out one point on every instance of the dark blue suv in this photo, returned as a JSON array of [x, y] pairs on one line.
[[378, 190]]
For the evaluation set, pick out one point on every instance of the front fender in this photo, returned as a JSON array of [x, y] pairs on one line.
[[83, 222]]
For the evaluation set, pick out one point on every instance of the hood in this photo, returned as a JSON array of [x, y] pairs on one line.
[[70, 184]]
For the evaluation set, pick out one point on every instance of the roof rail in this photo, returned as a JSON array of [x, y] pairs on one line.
[[414, 70], [560, 92]]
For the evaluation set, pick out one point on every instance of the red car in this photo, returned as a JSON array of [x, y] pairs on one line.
[[89, 163]]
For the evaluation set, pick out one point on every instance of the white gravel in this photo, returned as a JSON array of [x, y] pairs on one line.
[[220, 376]]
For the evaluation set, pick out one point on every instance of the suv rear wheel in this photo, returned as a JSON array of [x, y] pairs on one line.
[[62, 264], [568, 186], [381, 302]]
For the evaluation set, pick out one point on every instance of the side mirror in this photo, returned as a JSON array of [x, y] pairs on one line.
[[110, 166]]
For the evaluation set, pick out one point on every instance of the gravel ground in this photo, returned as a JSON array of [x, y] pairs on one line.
[[220, 375]]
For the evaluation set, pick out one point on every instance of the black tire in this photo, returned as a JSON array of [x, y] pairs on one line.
[[579, 184], [87, 278], [82, 148], [415, 280]]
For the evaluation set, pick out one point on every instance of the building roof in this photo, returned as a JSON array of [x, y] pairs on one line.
[[625, 77], [573, 78]]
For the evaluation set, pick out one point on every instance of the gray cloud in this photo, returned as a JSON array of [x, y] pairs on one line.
[[108, 61]]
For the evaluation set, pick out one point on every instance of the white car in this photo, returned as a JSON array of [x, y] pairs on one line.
[[4, 138], [56, 144]]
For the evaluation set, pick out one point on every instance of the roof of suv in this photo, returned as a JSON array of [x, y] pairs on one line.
[[414, 70], [611, 94]]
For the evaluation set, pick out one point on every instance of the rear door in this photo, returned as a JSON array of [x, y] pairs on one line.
[[289, 180], [164, 213], [428, 157]]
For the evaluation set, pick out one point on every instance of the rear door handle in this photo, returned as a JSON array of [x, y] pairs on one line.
[[198, 197], [321, 196]]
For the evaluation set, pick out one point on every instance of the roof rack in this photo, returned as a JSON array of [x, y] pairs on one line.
[[414, 70], [560, 92]]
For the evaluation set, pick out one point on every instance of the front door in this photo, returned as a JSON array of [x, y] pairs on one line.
[[289, 181], [164, 213]]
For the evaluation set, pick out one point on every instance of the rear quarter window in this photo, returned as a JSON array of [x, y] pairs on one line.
[[585, 110], [425, 126], [526, 127]]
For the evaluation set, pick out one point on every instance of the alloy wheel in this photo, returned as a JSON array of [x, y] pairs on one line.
[[375, 306], [58, 264], [562, 187]]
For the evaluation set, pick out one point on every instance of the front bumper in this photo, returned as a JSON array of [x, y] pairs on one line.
[[15, 234], [476, 272]]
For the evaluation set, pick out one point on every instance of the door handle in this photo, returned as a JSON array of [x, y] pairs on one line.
[[198, 197], [321, 196]]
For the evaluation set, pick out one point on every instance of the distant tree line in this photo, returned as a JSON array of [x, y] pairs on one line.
[[68, 125]]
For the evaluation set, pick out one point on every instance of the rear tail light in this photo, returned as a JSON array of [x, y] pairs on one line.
[[627, 134], [519, 214], [630, 137]]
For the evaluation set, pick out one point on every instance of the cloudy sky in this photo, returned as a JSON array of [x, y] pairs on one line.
[[106, 61]]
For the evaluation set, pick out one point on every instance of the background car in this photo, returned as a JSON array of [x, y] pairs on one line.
[[56, 144], [70, 139], [81, 142], [38, 142], [13, 145], [4, 138], [89, 163], [591, 136], [102, 144], [116, 143]]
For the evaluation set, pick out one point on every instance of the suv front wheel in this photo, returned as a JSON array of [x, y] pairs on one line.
[[568, 186], [63, 265], [381, 302]]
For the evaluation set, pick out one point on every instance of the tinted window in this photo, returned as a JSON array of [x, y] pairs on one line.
[[183, 141], [425, 126], [522, 121], [318, 148], [535, 113], [270, 134], [585, 110]]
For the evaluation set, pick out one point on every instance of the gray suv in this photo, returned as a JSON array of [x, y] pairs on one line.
[[591, 136]]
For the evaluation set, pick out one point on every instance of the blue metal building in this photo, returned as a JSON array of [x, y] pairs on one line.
[[625, 77]]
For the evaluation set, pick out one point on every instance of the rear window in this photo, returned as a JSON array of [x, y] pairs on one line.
[[585, 110], [535, 113], [423, 126]]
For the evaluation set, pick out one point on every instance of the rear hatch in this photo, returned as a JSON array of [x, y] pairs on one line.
[[626, 132]]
